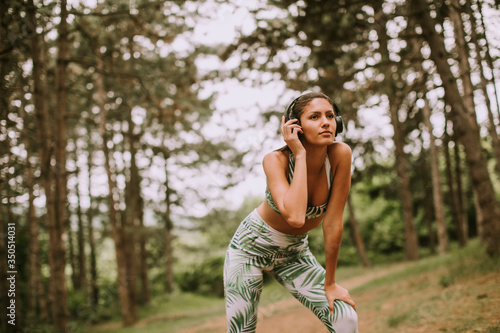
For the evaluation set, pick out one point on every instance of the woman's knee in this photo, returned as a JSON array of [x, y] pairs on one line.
[[351, 321], [345, 318]]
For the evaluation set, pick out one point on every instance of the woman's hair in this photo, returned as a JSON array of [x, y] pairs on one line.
[[296, 108]]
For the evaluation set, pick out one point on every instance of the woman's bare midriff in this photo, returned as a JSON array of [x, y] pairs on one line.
[[277, 221]]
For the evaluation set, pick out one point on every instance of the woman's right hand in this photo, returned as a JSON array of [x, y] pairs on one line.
[[290, 131]]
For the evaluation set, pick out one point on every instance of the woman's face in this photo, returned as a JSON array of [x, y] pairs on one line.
[[318, 122]]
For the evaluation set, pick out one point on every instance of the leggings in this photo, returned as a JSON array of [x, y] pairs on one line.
[[257, 247]]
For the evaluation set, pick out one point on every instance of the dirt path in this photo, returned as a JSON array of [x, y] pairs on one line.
[[289, 315]]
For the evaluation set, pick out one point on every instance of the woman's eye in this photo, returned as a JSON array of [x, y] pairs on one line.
[[314, 117], [330, 116]]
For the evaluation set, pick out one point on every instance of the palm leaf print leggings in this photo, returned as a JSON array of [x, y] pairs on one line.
[[257, 247]]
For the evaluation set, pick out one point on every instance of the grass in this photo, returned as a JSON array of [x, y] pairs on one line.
[[167, 313], [456, 292]]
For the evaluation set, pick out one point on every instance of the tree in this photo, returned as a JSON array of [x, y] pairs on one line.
[[51, 178], [396, 97], [358, 241], [149, 107], [94, 288], [495, 141], [436, 183], [125, 278], [466, 131], [454, 191]]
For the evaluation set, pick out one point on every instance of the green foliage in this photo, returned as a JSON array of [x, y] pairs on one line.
[[75, 301], [205, 278], [348, 255], [34, 326], [218, 226], [167, 313], [317, 244], [460, 263], [396, 320], [445, 281], [378, 215]]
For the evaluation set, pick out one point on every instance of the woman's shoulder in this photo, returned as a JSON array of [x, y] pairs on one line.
[[276, 157], [338, 151], [339, 148]]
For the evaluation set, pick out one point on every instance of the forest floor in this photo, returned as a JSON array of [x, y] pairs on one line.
[[289, 315], [456, 292], [461, 294]]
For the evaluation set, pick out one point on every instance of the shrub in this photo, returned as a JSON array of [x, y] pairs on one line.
[[204, 278]]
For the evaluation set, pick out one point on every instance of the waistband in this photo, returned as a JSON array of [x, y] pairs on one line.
[[255, 222]]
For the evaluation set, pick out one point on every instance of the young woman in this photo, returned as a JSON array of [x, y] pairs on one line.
[[308, 182]]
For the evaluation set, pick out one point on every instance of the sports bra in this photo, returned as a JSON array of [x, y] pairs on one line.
[[311, 211]]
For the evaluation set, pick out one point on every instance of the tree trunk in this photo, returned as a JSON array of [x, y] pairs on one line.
[[36, 290], [436, 184], [358, 240], [129, 249], [128, 230], [404, 180], [463, 60], [57, 229], [401, 162], [135, 207], [128, 308], [34, 245], [57, 283], [481, 228], [94, 288], [465, 76], [72, 264], [428, 202], [37, 298], [145, 293], [453, 193], [169, 257], [487, 54], [42, 298], [463, 228], [495, 140], [82, 262], [465, 130]]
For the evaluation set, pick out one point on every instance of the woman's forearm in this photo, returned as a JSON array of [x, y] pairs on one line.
[[295, 200], [333, 238]]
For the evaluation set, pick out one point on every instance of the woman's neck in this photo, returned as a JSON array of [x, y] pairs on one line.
[[316, 156]]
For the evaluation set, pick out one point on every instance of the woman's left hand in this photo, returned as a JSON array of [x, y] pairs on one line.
[[334, 292]]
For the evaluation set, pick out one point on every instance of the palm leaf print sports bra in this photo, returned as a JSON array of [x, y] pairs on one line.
[[311, 211]]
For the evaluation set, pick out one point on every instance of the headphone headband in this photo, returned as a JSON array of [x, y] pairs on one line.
[[289, 109]]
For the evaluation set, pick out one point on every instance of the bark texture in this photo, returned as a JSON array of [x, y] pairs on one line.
[[437, 189], [466, 132]]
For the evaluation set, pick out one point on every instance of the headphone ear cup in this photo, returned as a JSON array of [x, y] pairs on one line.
[[338, 120], [340, 125]]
